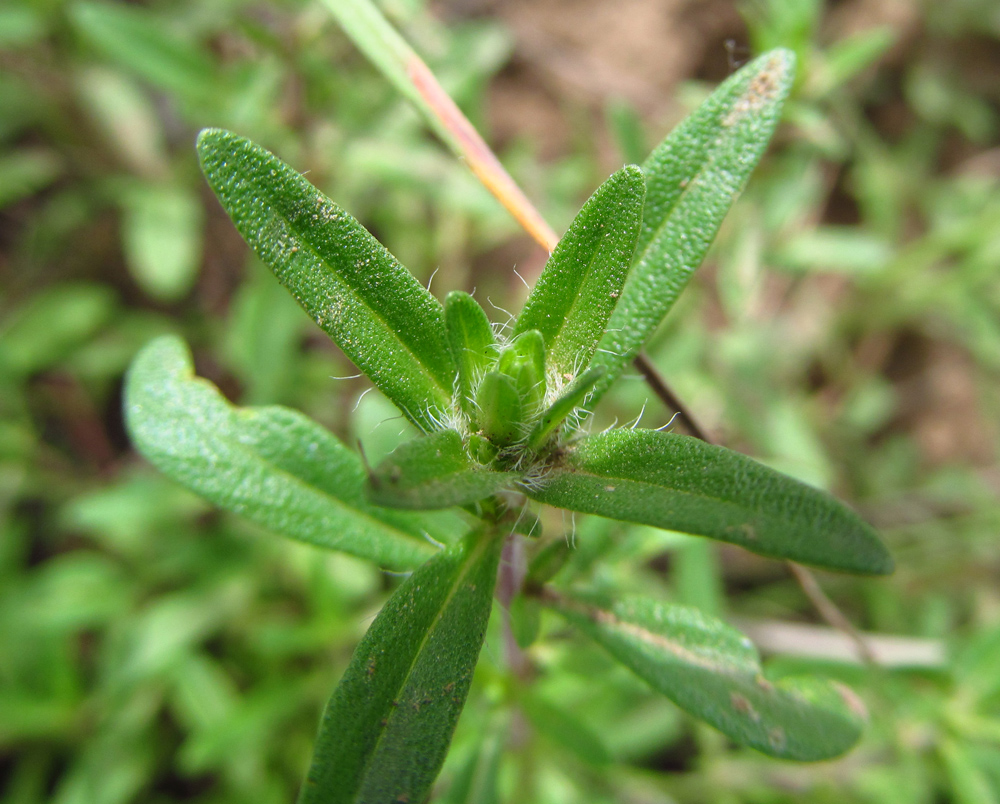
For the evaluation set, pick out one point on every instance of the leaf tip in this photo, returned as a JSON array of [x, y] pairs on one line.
[[875, 558], [211, 142], [883, 563], [852, 701], [780, 60], [632, 172], [769, 86], [207, 136]]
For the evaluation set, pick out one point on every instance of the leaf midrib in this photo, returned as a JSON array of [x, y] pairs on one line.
[[245, 450], [600, 617], [574, 305], [710, 159], [357, 295], [646, 484], [471, 559]]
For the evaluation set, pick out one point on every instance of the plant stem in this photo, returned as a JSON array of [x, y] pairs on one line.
[[390, 53], [511, 573], [397, 61], [829, 610]]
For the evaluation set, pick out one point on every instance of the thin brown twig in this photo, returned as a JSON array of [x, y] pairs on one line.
[[829, 611], [659, 386]]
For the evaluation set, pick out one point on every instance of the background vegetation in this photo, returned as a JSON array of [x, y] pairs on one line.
[[845, 329]]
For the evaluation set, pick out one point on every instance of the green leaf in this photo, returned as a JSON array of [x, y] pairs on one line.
[[713, 672], [843, 249], [583, 279], [53, 323], [683, 484], [524, 362], [140, 41], [692, 178], [271, 465], [564, 729], [19, 101], [525, 620], [434, 472], [387, 727], [25, 172], [386, 322], [162, 238], [476, 781], [847, 57], [573, 397], [473, 345], [969, 783], [21, 27], [127, 117], [501, 411], [547, 562]]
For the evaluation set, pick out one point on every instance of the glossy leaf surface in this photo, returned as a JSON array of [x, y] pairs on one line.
[[683, 484], [387, 727], [386, 322], [433, 472], [583, 279], [692, 178], [271, 465], [713, 672]]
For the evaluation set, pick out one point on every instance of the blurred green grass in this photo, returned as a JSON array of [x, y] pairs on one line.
[[845, 329]]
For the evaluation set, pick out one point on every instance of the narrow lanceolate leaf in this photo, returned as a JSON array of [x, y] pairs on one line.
[[434, 472], [572, 398], [692, 178], [271, 465], [683, 484], [387, 727], [583, 279], [713, 672], [376, 311], [473, 345]]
